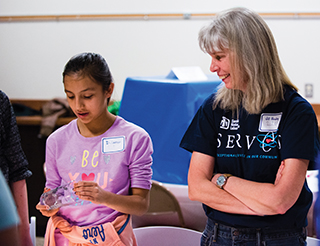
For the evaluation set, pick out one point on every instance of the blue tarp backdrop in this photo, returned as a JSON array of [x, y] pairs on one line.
[[165, 108]]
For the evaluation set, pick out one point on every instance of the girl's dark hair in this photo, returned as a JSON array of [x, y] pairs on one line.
[[91, 65]]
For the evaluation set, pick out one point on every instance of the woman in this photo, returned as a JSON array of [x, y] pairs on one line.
[[252, 141], [14, 165]]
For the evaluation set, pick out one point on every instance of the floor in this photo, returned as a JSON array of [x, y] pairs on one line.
[[39, 241]]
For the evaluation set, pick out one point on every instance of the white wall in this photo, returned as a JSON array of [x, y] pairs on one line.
[[32, 54]]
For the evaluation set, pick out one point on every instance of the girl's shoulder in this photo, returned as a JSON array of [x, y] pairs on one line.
[[124, 126], [65, 130]]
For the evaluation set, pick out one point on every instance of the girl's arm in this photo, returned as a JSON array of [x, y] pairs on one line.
[[270, 199], [137, 203], [202, 189]]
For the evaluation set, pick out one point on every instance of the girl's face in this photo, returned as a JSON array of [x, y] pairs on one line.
[[220, 64], [86, 98]]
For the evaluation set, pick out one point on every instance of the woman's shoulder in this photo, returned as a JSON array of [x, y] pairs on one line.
[[3, 96], [209, 106], [296, 102], [208, 102], [4, 102]]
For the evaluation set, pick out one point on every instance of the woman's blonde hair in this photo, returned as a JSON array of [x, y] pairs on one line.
[[254, 60]]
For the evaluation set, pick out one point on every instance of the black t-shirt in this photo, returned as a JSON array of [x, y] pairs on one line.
[[252, 146]]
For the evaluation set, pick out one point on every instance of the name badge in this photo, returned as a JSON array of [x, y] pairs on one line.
[[269, 122], [112, 145]]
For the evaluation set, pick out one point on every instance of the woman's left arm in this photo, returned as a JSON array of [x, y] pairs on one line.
[[270, 199], [137, 203], [19, 192]]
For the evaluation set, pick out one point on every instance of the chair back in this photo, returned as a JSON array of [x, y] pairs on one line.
[[164, 209], [166, 235], [162, 201]]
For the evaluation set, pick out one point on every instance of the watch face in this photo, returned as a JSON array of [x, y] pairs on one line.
[[221, 180]]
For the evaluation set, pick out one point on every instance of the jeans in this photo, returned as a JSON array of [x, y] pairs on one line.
[[216, 234]]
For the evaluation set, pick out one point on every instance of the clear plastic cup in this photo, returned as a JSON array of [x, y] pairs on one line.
[[61, 196]]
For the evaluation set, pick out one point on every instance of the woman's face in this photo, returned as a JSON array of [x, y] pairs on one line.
[[220, 64]]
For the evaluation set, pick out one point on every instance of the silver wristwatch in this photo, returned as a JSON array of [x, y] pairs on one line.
[[222, 180]]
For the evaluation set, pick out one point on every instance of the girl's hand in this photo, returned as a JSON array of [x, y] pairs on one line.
[[91, 191], [136, 203], [44, 210]]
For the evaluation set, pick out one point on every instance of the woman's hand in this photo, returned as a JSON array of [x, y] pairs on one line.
[[268, 198], [202, 187], [279, 173], [214, 178], [44, 210]]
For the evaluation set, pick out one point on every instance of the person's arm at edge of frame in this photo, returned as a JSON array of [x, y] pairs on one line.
[[271, 199], [19, 193], [10, 236], [200, 187]]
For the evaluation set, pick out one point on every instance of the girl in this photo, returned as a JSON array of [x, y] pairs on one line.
[[108, 157], [252, 141]]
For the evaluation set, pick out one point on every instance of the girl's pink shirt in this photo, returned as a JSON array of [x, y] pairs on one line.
[[117, 160]]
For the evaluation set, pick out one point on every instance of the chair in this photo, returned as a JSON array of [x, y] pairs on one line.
[[33, 229], [170, 235], [312, 180], [311, 241], [166, 235], [163, 204]]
